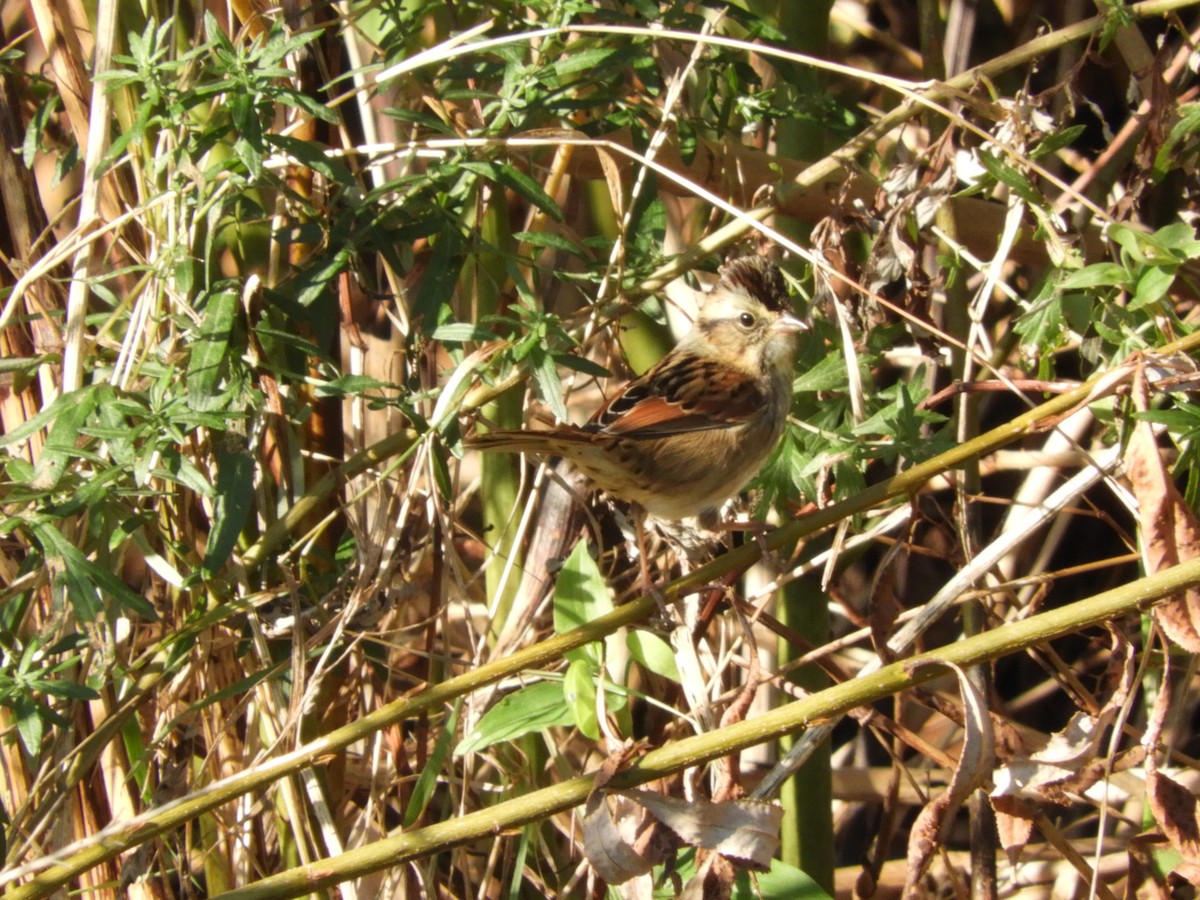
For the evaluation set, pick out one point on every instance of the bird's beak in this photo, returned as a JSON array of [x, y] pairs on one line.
[[788, 324]]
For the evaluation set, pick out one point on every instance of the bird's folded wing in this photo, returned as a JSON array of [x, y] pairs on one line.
[[692, 393]]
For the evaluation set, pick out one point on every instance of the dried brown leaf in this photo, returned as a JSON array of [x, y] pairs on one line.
[[1188, 871], [973, 770], [1042, 775], [1170, 531], [1178, 815], [1144, 880], [1014, 824], [714, 880], [746, 830], [885, 607], [911, 207], [613, 837], [1071, 761]]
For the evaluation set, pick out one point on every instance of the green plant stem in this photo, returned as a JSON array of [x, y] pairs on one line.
[[806, 838], [485, 281], [115, 840], [700, 749]]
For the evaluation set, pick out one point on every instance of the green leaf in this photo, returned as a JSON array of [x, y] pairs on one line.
[[513, 178], [1152, 286], [653, 653], [1077, 311], [1042, 323], [545, 374], [427, 781], [66, 689], [1168, 155], [458, 332], [250, 153], [781, 881], [26, 365], [235, 492], [552, 241], [441, 276], [827, 375], [71, 411], [70, 568], [1170, 245], [82, 580], [38, 123], [349, 386], [1105, 274], [310, 105], [1115, 336], [441, 474], [1116, 17], [1172, 418], [1055, 141], [1006, 174], [123, 594], [1178, 240], [579, 690], [578, 61], [581, 364], [30, 725], [525, 711], [178, 468], [207, 361], [320, 280], [309, 154], [580, 595]]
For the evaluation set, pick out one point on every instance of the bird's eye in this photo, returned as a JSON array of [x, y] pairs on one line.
[[746, 320]]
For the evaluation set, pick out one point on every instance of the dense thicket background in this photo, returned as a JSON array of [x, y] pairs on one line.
[[264, 267]]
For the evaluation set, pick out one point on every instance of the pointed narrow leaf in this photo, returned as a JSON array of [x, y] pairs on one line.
[[205, 364], [580, 595], [427, 780], [522, 712], [579, 691], [60, 446], [235, 488]]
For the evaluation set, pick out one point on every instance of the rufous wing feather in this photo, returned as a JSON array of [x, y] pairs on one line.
[[684, 392]]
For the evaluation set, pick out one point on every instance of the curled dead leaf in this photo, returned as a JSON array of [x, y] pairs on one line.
[[1178, 815], [973, 770], [1014, 824], [744, 830], [1170, 530], [1071, 760], [615, 837]]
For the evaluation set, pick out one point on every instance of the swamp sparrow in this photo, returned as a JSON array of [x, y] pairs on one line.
[[688, 434]]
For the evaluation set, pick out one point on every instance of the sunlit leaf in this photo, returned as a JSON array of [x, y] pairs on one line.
[[234, 500], [580, 595], [525, 711]]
